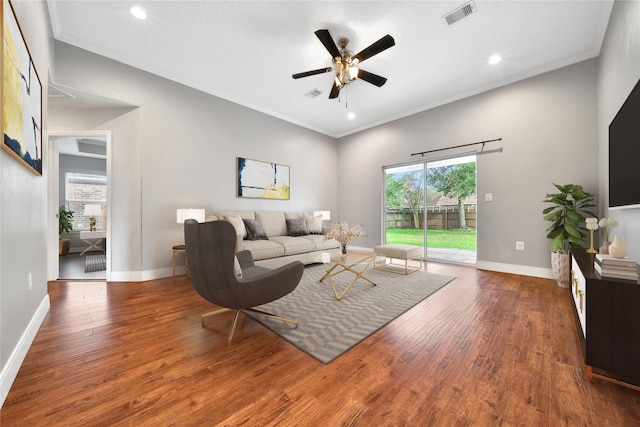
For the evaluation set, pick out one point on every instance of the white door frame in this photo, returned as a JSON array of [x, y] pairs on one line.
[[53, 166]]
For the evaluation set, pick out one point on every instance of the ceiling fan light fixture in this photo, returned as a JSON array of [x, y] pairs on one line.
[[353, 72], [345, 63]]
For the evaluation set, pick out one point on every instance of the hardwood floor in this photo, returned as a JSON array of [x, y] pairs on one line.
[[487, 349]]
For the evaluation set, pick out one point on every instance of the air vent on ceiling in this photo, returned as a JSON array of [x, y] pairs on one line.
[[313, 93], [460, 12]]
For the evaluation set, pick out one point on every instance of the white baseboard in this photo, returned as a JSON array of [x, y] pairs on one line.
[[162, 273], [126, 276], [361, 249], [523, 270], [10, 370], [143, 276]]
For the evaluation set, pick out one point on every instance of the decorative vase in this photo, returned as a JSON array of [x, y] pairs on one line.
[[343, 248], [560, 268], [63, 246], [617, 249], [604, 248]]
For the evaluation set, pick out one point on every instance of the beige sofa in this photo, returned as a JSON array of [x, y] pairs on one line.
[[280, 248]]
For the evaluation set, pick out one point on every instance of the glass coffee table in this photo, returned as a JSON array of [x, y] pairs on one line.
[[338, 264]]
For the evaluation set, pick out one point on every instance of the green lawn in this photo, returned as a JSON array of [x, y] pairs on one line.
[[437, 238]]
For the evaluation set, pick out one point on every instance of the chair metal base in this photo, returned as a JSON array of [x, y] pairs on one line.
[[252, 310]]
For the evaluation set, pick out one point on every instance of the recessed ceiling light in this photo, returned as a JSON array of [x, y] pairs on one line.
[[495, 59], [351, 115], [138, 12]]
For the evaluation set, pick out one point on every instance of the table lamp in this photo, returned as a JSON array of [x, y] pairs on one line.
[[184, 214], [326, 215]]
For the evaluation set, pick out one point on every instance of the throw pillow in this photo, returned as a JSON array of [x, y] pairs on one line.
[[255, 230], [297, 227], [238, 224], [236, 268], [314, 224]]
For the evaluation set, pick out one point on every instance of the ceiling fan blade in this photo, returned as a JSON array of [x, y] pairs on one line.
[[374, 79], [327, 41], [383, 44], [335, 90], [312, 72]]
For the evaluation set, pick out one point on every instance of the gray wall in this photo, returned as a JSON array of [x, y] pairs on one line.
[[181, 152], [619, 71], [23, 221], [549, 128]]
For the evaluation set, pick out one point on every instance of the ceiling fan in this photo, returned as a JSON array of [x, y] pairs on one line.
[[345, 63]]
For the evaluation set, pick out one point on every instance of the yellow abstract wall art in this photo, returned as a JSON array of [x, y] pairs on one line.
[[261, 180], [21, 96]]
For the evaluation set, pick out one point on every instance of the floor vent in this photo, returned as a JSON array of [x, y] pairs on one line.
[[460, 12], [313, 93]]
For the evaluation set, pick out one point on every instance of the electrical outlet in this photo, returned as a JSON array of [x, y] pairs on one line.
[[519, 246], [488, 197]]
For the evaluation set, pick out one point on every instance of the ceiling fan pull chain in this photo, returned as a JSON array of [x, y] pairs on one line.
[[346, 98]]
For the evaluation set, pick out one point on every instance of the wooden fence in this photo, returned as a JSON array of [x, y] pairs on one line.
[[438, 218]]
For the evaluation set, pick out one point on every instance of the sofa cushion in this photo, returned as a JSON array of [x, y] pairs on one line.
[[274, 223], [297, 227], [255, 231], [314, 223], [263, 249], [238, 224], [320, 243], [294, 245]]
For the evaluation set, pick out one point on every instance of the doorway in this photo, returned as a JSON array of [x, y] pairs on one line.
[[433, 204], [79, 181]]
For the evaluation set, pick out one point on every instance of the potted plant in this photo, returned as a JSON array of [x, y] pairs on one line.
[[567, 230], [65, 225]]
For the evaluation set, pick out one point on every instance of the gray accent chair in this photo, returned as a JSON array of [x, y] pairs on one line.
[[210, 248]]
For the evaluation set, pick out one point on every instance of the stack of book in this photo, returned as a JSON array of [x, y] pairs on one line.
[[619, 268]]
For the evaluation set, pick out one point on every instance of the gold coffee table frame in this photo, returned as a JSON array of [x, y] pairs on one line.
[[346, 263]]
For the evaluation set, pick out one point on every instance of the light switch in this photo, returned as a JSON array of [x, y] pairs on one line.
[[488, 197]]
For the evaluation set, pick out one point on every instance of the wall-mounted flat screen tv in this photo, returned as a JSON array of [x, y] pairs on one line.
[[624, 154]]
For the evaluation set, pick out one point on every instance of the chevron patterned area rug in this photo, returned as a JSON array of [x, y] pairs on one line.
[[95, 263], [327, 327]]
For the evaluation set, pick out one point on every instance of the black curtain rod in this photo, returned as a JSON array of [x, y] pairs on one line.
[[457, 146]]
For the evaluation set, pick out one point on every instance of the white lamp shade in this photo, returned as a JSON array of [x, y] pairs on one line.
[[92, 210], [183, 214], [326, 215]]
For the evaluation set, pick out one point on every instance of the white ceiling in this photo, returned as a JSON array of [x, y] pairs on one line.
[[246, 51]]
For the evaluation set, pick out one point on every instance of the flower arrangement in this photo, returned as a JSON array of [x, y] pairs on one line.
[[607, 225], [343, 234]]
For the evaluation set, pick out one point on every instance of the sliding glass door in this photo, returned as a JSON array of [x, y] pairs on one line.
[[433, 204], [404, 204]]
